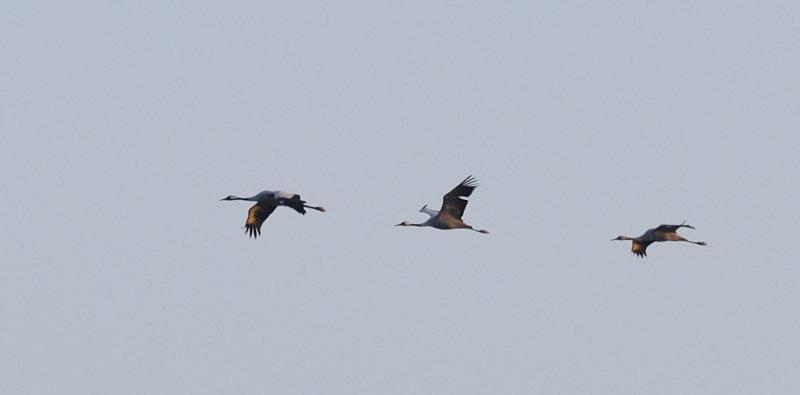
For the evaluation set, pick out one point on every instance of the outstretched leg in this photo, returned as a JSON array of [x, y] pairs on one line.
[[700, 243]]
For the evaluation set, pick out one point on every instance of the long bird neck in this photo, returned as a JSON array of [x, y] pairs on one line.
[[252, 198]]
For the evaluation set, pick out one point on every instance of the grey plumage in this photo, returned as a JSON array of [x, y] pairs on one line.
[[267, 202], [453, 206], [661, 233]]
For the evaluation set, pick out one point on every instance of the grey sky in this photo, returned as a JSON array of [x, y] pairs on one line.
[[124, 124]]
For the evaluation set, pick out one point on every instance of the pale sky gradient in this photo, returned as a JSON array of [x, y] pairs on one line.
[[124, 123]]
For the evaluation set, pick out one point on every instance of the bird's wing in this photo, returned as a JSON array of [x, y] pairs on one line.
[[639, 248], [256, 216], [670, 228], [453, 205], [428, 211], [294, 202]]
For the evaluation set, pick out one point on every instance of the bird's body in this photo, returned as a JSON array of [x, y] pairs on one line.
[[453, 206], [267, 202], [661, 233]]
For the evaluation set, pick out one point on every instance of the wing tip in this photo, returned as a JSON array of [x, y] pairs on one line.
[[470, 182]]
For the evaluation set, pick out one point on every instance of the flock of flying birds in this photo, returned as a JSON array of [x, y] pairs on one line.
[[448, 217]]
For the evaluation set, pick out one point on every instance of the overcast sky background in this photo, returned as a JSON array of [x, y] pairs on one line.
[[122, 125]]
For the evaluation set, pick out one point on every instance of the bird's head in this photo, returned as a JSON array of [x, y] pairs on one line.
[[230, 197], [404, 223], [621, 238]]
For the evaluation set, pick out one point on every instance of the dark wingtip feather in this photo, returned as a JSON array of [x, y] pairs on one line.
[[639, 250], [470, 182], [465, 188], [253, 231]]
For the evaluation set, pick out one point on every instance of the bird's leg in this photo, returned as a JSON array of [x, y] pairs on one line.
[[406, 223], [318, 208], [677, 237]]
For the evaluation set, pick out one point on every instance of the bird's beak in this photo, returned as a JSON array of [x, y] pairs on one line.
[[400, 224]]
